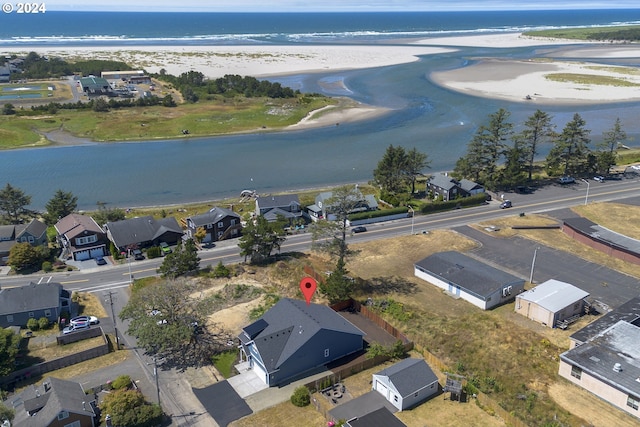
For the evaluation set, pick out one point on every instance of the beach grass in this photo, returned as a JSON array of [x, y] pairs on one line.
[[590, 79], [219, 116], [583, 33]]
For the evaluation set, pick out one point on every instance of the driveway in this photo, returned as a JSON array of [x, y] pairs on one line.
[[222, 402], [515, 255]]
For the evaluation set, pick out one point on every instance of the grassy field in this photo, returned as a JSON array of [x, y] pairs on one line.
[[589, 79], [205, 118]]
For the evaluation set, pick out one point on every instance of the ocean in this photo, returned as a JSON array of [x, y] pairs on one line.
[[436, 121], [116, 28]]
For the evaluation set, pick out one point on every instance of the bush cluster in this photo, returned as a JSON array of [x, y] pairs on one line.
[[301, 396]]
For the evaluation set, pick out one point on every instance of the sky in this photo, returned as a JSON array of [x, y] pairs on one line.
[[330, 5]]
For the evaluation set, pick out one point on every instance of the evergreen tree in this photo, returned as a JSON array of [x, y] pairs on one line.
[[390, 174], [181, 261], [338, 286], [608, 148], [13, 203], [416, 163], [570, 152], [538, 129], [62, 204], [260, 238]]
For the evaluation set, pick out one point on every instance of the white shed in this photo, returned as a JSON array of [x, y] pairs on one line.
[[407, 383], [551, 302]]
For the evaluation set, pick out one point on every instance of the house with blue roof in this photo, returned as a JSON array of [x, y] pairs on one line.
[[406, 383], [294, 339]]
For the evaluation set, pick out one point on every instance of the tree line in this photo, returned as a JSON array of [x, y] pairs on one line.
[[35, 66], [499, 157], [193, 86]]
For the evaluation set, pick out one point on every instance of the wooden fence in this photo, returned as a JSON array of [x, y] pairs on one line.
[[61, 362]]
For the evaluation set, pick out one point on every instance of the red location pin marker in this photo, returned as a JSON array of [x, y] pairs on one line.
[[308, 287]]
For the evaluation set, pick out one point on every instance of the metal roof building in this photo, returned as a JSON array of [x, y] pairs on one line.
[[552, 303]]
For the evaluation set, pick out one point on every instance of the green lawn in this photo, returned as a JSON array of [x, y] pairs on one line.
[[224, 362]]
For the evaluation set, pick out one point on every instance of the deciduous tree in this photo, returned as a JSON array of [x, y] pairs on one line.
[[417, 162], [129, 408], [13, 204], [62, 204], [8, 351], [23, 256], [170, 320]]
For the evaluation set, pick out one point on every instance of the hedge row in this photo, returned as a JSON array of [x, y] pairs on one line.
[[378, 213], [475, 200]]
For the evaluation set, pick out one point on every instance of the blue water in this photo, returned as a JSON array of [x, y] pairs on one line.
[[19, 96], [14, 89], [434, 120]]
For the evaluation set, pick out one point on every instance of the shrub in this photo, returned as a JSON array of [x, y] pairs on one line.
[[221, 270], [43, 323], [154, 252], [122, 382], [301, 396], [47, 267], [33, 324]]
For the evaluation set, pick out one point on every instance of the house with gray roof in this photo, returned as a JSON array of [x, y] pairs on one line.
[[34, 233], [449, 188], [629, 312], [406, 383], [608, 365], [5, 74], [32, 301], [144, 231], [321, 209], [381, 417], [81, 238], [219, 224], [55, 403], [552, 303], [464, 277], [286, 206], [294, 339], [96, 86]]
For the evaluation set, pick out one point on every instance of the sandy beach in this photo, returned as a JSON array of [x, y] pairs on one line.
[[563, 80]]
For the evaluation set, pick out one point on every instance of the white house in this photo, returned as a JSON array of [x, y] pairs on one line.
[[469, 279], [406, 384], [551, 302]]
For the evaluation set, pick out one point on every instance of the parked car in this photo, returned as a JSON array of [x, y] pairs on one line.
[[74, 328], [137, 254], [100, 260], [165, 248], [523, 189], [359, 229], [566, 180], [506, 204], [92, 320]]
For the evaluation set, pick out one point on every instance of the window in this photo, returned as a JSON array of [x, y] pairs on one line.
[[10, 318], [220, 233], [73, 424], [47, 313], [416, 394], [31, 239], [233, 222], [576, 305], [32, 314], [209, 226], [576, 372], [220, 224], [633, 402], [62, 415], [326, 352], [86, 240], [395, 398]]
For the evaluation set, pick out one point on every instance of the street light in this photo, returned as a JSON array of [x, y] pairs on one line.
[[533, 264], [586, 197], [412, 215]]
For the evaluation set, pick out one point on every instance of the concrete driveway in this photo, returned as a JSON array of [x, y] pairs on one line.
[[246, 382]]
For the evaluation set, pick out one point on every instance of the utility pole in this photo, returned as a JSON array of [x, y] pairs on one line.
[[155, 373], [110, 294]]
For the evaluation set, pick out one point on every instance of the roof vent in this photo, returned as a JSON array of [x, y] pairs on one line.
[[617, 367]]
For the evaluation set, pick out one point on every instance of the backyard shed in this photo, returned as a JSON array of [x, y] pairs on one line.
[[464, 277], [406, 384], [552, 303]]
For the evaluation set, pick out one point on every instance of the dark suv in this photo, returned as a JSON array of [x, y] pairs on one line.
[[137, 254]]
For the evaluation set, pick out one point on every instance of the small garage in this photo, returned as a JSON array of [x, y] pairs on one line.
[[552, 303], [407, 383]]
